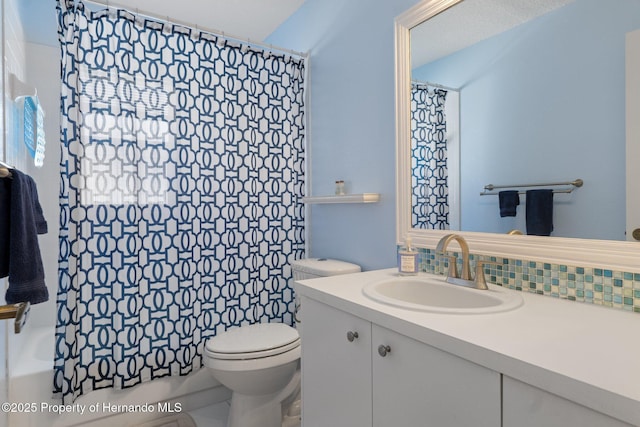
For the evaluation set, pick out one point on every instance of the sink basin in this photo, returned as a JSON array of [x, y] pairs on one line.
[[431, 293]]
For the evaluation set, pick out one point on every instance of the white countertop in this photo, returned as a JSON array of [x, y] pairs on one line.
[[585, 353]]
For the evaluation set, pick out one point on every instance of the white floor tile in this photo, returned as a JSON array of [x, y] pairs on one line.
[[216, 416], [211, 416]]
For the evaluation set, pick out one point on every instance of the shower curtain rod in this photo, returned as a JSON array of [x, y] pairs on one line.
[[109, 4], [436, 85]]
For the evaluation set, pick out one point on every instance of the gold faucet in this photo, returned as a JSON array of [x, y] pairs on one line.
[[465, 279], [442, 249]]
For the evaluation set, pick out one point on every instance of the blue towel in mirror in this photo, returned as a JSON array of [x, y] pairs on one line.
[[509, 200], [540, 212]]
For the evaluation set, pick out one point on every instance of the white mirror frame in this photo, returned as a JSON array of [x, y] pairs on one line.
[[614, 255]]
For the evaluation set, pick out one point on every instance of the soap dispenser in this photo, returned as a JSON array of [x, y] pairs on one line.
[[407, 259]]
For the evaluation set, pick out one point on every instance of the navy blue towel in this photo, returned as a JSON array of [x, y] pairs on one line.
[[5, 204], [539, 212], [24, 265], [509, 201]]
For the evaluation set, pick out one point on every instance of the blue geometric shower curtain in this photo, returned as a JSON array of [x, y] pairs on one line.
[[182, 176], [429, 173]]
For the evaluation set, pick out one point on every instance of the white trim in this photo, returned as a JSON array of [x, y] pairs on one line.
[[454, 139], [614, 255], [632, 84]]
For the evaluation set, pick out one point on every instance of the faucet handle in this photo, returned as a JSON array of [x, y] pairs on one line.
[[480, 281], [453, 266]]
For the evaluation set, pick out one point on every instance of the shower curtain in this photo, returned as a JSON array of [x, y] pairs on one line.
[[181, 184], [430, 190]]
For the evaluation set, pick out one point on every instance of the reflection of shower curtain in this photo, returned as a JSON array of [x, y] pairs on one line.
[[430, 194], [182, 177]]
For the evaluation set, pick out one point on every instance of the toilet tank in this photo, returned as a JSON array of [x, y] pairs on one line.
[[310, 268]]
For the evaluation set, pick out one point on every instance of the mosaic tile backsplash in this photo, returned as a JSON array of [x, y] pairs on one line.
[[583, 284]]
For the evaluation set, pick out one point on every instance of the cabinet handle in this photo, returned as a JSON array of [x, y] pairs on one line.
[[383, 350], [351, 336]]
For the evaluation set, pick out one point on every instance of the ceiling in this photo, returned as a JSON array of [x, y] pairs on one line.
[[252, 19], [470, 22], [245, 19]]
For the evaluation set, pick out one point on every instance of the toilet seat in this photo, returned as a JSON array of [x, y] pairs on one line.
[[256, 341], [253, 354]]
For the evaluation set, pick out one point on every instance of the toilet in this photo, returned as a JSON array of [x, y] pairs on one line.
[[259, 363]]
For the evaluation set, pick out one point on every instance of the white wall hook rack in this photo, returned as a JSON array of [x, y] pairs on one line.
[[18, 88]]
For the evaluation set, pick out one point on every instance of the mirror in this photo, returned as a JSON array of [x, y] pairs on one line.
[[528, 92], [530, 162]]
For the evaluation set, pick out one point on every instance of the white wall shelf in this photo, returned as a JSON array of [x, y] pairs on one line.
[[347, 198]]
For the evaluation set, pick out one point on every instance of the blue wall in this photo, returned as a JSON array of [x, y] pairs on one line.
[[352, 122], [523, 121]]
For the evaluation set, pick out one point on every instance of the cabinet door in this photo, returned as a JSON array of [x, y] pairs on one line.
[[336, 371], [527, 406], [416, 385]]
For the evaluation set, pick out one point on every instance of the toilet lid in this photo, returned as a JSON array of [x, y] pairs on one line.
[[324, 267], [253, 341]]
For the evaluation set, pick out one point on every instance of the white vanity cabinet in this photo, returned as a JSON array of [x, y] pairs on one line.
[[528, 406], [415, 384], [336, 372], [382, 378]]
